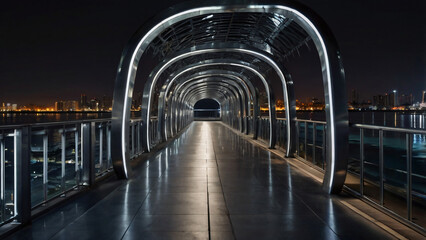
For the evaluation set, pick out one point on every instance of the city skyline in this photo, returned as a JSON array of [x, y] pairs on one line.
[[69, 47], [382, 101]]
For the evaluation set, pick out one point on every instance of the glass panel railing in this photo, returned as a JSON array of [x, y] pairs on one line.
[[418, 178], [301, 146], [71, 151], [55, 159], [8, 175], [36, 167], [54, 166], [394, 172], [353, 177], [371, 183], [319, 157]]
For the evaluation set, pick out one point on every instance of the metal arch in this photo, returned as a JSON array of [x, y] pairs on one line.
[[221, 73], [244, 99], [213, 48], [226, 92], [248, 88], [247, 85], [231, 77], [149, 85], [168, 83], [179, 103], [201, 96], [225, 86], [246, 95], [206, 87], [210, 82], [333, 79], [213, 91], [206, 93]]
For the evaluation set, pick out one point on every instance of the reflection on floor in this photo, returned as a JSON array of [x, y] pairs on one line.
[[208, 184]]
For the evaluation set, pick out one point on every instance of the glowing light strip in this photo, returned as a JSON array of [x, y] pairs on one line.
[[202, 51], [169, 84]]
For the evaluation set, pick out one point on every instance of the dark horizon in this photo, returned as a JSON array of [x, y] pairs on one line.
[[56, 51]]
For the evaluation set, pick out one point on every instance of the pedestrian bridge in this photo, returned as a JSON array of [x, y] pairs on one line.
[[212, 183], [247, 176]]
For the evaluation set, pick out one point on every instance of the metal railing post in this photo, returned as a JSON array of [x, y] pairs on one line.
[[45, 164], [101, 146], [77, 160], [63, 139], [22, 172], [138, 137], [324, 144], [409, 145], [108, 130], [314, 137], [132, 135], [3, 178], [361, 159], [381, 167], [297, 138], [306, 141], [88, 140]]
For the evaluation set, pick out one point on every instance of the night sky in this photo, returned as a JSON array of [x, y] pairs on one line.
[[55, 50]]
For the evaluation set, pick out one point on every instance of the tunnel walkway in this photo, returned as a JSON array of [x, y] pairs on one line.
[[209, 183]]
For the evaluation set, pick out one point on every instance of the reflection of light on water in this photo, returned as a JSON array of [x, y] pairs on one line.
[[419, 139], [395, 120]]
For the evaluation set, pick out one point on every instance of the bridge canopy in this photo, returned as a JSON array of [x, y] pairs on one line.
[[232, 52]]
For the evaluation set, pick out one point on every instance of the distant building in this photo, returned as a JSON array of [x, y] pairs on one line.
[[423, 103], [354, 97], [94, 104], [83, 102], [71, 106], [406, 100], [106, 103], [59, 106], [393, 99], [380, 101]]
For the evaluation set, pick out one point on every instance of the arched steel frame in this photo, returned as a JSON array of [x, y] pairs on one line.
[[224, 86], [197, 76], [219, 48], [216, 62], [243, 93], [248, 86], [318, 31]]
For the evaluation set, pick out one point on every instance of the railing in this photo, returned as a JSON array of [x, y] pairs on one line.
[[311, 141], [264, 129], [387, 166], [392, 172], [55, 158]]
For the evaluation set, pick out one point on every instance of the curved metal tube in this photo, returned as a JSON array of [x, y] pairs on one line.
[[333, 80], [169, 82], [248, 87], [174, 108], [210, 82], [241, 92], [151, 82]]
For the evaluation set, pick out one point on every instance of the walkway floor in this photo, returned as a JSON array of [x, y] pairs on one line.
[[208, 184]]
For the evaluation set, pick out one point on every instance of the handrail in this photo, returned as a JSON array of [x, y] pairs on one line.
[[393, 129]]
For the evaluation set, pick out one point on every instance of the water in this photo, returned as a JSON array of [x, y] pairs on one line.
[[29, 118], [400, 119]]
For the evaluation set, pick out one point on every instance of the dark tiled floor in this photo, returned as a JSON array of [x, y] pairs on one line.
[[208, 184]]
